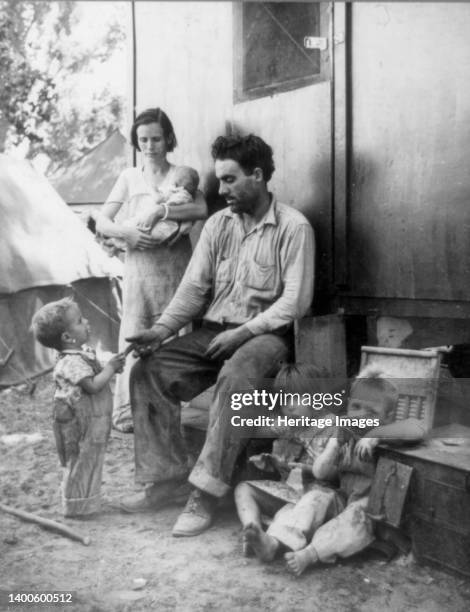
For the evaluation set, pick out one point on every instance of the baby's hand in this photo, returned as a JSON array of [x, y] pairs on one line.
[[148, 223], [306, 469], [143, 225], [365, 448], [117, 362], [268, 462], [279, 464], [262, 461]]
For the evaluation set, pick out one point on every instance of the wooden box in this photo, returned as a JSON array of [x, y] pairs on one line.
[[414, 373], [436, 510]]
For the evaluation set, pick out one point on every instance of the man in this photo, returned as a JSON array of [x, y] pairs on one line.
[[251, 276]]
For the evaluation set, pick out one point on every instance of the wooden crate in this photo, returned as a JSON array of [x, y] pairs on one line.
[[436, 511], [414, 373]]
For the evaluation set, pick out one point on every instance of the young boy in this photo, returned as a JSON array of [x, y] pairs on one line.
[[82, 403], [335, 515]]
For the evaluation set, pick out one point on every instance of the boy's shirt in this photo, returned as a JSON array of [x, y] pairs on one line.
[[70, 369]]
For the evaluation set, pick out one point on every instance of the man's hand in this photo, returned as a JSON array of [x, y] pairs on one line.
[[226, 343], [365, 448], [147, 341]]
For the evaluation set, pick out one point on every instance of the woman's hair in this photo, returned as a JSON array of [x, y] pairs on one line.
[[50, 322], [249, 151], [154, 115], [301, 378]]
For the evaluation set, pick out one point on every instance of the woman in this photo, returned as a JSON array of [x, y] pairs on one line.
[[152, 270]]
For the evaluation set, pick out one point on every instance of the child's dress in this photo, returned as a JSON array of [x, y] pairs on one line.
[[331, 517], [338, 520], [301, 445], [82, 423]]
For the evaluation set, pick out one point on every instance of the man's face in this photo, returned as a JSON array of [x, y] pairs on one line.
[[241, 191]]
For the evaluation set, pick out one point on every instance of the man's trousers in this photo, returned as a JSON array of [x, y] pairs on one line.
[[179, 371]]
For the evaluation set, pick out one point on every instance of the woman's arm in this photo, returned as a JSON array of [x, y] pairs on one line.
[[105, 217], [189, 211], [105, 220], [135, 238]]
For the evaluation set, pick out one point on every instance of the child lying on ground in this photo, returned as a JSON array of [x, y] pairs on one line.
[[82, 403], [183, 191], [328, 521]]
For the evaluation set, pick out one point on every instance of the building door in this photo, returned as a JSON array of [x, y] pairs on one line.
[[402, 148]]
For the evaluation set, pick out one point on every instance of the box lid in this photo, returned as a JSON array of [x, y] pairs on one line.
[[449, 445]]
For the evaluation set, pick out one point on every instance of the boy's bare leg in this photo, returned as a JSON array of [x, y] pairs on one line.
[[250, 502], [298, 561]]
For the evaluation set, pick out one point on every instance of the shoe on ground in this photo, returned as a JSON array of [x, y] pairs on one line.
[[155, 497], [197, 515]]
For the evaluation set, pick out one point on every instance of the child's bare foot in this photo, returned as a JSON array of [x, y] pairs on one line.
[[260, 543], [298, 561]]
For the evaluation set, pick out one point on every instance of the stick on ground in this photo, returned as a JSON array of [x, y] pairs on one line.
[[47, 524]]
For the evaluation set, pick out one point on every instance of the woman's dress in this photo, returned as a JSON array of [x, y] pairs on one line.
[[151, 276]]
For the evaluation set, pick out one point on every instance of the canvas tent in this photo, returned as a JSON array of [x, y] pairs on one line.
[[45, 253], [89, 180]]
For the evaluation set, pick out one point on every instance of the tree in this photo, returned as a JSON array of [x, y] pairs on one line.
[[38, 55]]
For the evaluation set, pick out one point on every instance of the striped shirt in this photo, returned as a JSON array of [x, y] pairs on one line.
[[262, 278]]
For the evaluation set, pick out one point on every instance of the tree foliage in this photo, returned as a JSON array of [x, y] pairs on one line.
[[37, 55]]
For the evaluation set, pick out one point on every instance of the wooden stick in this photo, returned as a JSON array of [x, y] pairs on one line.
[[129, 349], [47, 524]]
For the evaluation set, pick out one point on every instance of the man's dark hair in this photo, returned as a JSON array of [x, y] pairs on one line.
[[249, 151], [154, 115]]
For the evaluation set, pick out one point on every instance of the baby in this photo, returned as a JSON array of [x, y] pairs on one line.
[[183, 191], [82, 403], [328, 520]]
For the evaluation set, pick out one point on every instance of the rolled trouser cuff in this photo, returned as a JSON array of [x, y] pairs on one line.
[[290, 537], [81, 506], [207, 483]]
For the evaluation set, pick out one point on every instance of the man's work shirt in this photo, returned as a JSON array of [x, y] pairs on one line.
[[263, 277]]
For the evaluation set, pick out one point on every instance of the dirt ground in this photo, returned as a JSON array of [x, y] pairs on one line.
[[197, 574]]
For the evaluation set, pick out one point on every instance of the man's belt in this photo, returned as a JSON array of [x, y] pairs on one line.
[[220, 327]]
